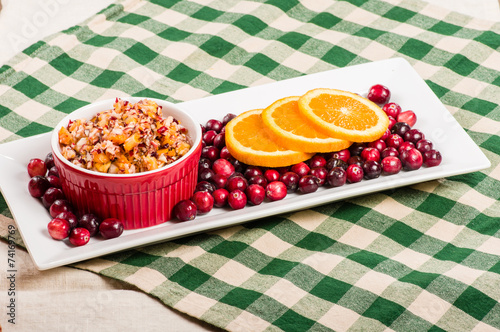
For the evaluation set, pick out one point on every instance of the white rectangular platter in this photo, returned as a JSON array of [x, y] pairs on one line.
[[407, 88]]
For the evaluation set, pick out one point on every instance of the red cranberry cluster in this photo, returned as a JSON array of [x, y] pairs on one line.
[[224, 181], [45, 185]]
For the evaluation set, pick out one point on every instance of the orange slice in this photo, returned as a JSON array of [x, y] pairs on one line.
[[344, 114], [293, 131], [249, 141]]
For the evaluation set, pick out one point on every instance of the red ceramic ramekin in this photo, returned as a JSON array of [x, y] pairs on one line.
[[139, 200]]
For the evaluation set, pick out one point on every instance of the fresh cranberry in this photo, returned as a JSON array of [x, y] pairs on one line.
[[342, 155], [334, 162], [225, 154], [394, 140], [59, 205], [237, 199], [271, 175], [391, 165], [392, 109], [392, 122], [58, 228], [237, 182], [49, 160], [38, 185], [54, 181], [205, 186], [235, 174], [389, 152], [354, 173], [406, 146], [79, 236], [69, 217], [356, 148], [258, 179], [308, 184], [229, 158], [214, 125], [317, 161], [355, 160], [206, 174], [228, 117], [320, 174], [238, 165], [90, 222], [208, 137], [432, 158], [414, 135], [111, 228], [252, 171], [276, 190], [400, 128], [204, 163], [255, 194], [370, 154], [185, 210], [378, 144], [210, 152], [386, 134], [371, 169], [411, 159], [300, 169], [283, 169], [219, 181], [409, 117], [336, 177], [36, 166], [53, 171], [223, 167], [379, 94], [51, 195], [424, 145], [291, 181], [204, 201], [220, 141], [220, 197]]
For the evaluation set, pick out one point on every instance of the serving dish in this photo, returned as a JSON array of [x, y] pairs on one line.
[[141, 199], [407, 88]]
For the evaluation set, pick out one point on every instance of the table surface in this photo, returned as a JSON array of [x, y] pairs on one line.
[[55, 293], [42, 18]]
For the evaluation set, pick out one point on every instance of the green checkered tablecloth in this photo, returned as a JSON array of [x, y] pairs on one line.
[[423, 257]]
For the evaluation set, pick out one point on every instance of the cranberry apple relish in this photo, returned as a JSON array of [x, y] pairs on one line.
[[128, 138]]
